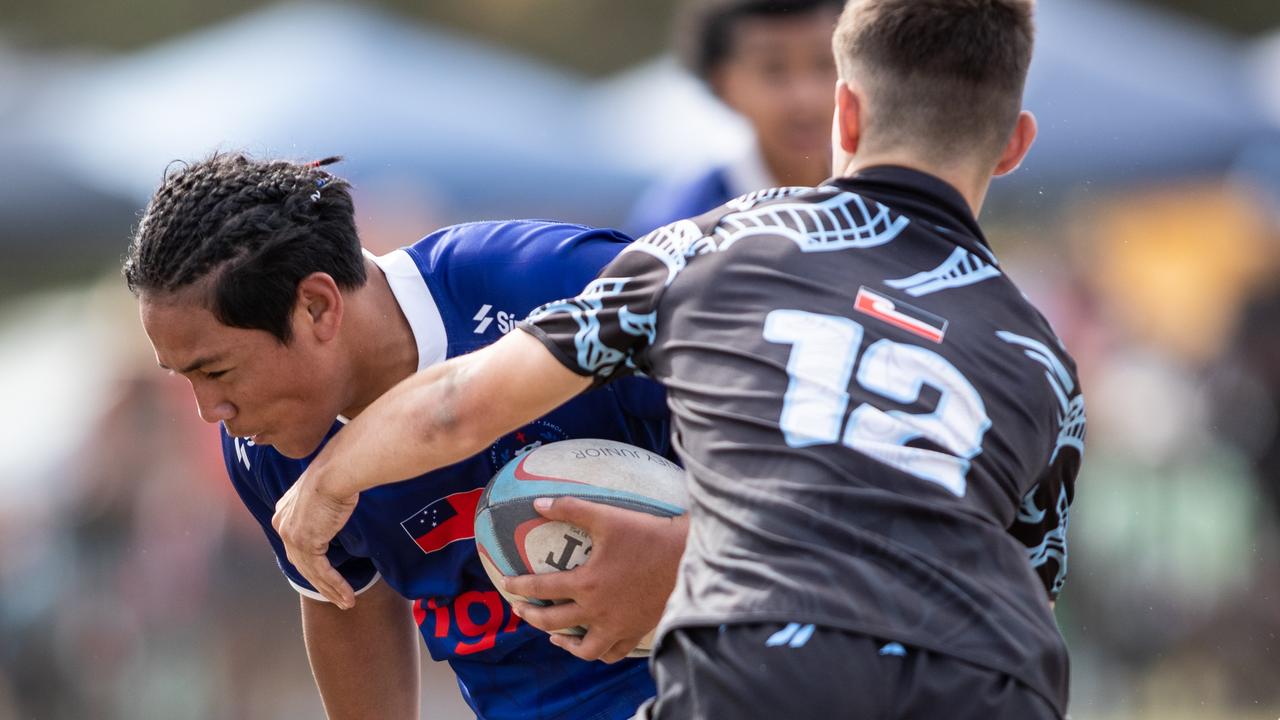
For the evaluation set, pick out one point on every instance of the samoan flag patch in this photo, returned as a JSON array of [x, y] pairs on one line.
[[900, 314], [444, 521]]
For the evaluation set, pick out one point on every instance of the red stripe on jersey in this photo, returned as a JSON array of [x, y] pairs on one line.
[[886, 309]]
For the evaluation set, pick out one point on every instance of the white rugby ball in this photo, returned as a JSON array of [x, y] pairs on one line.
[[513, 539]]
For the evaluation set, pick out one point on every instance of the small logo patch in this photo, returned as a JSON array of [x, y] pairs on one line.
[[531, 436], [793, 635], [900, 315], [483, 319], [894, 649]]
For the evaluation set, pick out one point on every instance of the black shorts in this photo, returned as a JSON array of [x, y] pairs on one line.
[[799, 672]]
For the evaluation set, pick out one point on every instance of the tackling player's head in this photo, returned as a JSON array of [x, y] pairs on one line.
[[240, 267], [769, 61], [935, 79]]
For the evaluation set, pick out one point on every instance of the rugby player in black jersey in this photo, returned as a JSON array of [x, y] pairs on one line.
[[881, 433]]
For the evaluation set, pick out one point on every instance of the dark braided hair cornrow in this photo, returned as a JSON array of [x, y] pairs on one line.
[[253, 228]]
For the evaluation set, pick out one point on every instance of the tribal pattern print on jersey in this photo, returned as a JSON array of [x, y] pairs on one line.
[[881, 433]]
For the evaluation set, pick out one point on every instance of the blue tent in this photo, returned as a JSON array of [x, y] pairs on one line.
[[1124, 92], [470, 129]]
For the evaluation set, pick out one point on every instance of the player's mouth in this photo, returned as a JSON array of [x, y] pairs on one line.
[[255, 438], [808, 137]]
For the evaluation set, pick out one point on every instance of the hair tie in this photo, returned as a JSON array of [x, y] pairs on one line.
[[323, 161]]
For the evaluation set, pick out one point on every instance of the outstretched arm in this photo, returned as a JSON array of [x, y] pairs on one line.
[[434, 418]]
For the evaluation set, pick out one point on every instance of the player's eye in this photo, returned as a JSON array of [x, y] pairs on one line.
[[215, 374]]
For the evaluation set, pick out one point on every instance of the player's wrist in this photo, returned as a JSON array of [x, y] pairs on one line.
[[326, 480]]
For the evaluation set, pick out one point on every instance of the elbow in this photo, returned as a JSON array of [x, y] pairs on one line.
[[454, 417]]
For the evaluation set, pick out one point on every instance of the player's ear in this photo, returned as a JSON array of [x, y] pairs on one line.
[[848, 121], [1024, 133], [318, 306]]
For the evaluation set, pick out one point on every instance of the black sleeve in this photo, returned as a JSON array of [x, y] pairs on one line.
[[606, 330], [1042, 520]]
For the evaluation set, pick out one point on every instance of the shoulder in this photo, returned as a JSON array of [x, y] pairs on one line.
[[513, 263], [795, 207], [507, 241], [484, 276], [768, 211], [1046, 368]]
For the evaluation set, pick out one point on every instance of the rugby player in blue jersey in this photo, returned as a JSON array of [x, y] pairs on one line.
[[881, 433], [770, 62], [253, 286]]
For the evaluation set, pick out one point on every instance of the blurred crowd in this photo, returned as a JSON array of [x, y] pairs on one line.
[[133, 584], [1167, 297]]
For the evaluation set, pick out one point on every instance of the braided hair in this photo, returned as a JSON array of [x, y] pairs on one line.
[[253, 230]]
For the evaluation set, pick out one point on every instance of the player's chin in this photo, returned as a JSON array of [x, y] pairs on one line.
[[293, 447]]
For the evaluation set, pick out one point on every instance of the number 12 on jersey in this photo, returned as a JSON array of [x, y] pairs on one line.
[[824, 349]]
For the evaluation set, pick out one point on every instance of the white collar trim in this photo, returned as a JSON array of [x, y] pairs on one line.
[[413, 295]]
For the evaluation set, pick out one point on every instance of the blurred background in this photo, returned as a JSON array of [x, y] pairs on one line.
[[1146, 223]]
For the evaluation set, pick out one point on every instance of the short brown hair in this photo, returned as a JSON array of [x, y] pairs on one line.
[[945, 76]]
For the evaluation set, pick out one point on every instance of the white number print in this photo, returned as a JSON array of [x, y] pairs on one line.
[[819, 368], [824, 349]]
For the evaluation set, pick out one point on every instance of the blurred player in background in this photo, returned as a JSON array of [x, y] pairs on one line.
[[253, 286], [881, 433], [769, 61]]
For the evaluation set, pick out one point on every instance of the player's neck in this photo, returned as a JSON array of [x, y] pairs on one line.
[[382, 346], [972, 185]]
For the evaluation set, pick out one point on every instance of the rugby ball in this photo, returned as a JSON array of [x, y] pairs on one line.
[[513, 539]]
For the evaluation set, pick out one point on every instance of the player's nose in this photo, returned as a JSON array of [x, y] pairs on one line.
[[214, 409], [220, 412], [810, 92]]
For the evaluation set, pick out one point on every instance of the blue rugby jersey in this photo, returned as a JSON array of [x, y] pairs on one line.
[[667, 202], [689, 197], [461, 288]]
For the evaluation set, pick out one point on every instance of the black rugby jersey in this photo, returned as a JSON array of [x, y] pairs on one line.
[[881, 433]]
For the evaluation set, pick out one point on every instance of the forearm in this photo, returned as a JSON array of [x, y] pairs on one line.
[[412, 428], [444, 414], [365, 660]]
